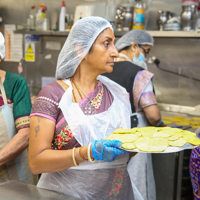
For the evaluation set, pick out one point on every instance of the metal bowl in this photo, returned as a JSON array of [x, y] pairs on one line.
[[172, 27]]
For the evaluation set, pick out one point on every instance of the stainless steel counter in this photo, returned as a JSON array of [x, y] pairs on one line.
[[168, 168], [16, 190]]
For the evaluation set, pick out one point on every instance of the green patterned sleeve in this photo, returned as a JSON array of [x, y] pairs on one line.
[[21, 104]]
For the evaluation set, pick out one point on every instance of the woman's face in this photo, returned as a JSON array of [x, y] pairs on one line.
[[101, 58], [145, 49]]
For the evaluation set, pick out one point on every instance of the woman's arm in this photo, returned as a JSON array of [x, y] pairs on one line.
[[153, 115], [146, 100], [41, 157], [15, 147]]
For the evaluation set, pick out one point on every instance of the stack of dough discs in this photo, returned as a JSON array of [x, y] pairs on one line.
[[153, 139], [181, 121]]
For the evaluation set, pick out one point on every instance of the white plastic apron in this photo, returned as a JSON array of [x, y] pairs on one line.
[[18, 169], [86, 128], [140, 170]]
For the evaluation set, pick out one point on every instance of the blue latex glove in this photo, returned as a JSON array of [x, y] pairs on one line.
[[161, 124], [107, 150]]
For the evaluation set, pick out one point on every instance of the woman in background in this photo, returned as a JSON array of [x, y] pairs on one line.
[[130, 71], [14, 122]]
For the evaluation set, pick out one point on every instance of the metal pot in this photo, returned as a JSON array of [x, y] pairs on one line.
[[189, 17], [162, 18], [127, 17], [119, 19]]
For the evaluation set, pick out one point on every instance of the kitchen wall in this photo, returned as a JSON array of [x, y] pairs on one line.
[[175, 54]]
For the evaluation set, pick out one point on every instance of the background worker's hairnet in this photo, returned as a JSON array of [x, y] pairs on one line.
[[2, 46], [81, 38], [137, 35]]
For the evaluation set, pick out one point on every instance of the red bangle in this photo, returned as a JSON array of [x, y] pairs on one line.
[[81, 154]]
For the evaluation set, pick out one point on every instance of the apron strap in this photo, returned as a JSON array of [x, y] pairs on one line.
[[3, 92]]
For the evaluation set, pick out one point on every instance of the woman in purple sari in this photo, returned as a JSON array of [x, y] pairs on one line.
[[195, 170], [71, 118]]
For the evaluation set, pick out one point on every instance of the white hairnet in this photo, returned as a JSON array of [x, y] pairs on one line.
[[81, 38], [2, 46], [137, 35]]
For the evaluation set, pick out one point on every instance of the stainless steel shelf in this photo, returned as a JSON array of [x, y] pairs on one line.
[[160, 34], [44, 33], [167, 34]]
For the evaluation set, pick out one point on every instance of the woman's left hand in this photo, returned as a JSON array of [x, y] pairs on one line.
[[107, 150]]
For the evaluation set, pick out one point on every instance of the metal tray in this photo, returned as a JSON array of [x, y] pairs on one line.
[[169, 149]]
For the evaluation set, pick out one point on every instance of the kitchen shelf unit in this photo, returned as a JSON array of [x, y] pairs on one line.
[[166, 34]]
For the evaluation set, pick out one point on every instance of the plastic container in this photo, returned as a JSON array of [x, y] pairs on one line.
[[139, 14], [31, 21], [40, 18], [62, 17]]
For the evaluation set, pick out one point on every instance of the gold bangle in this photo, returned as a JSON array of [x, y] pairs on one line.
[[73, 156], [88, 154]]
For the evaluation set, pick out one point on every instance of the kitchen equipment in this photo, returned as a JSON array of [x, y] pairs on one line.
[[189, 17], [162, 18], [90, 9], [119, 19], [172, 27], [127, 14]]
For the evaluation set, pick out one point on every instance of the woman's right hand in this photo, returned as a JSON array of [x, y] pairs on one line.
[[107, 150]]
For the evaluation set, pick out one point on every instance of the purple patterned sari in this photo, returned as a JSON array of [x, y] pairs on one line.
[[195, 170], [115, 183]]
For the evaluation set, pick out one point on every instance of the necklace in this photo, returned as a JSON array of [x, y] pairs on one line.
[[96, 102], [72, 81]]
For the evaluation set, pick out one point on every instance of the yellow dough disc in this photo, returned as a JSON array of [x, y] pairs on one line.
[[178, 117], [188, 133], [124, 138], [196, 127], [196, 118], [178, 143], [177, 130], [160, 135], [147, 144], [128, 146], [192, 140], [174, 137], [122, 131]]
